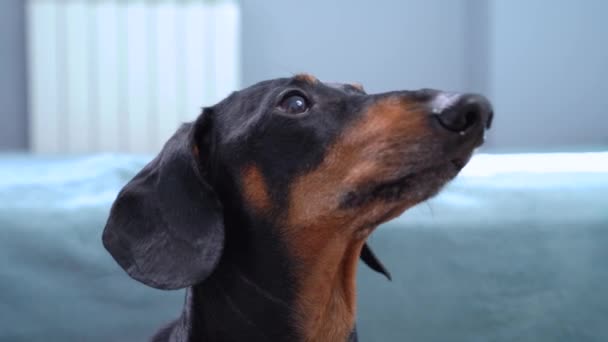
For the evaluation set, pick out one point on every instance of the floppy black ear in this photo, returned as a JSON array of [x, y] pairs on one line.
[[166, 226], [372, 261]]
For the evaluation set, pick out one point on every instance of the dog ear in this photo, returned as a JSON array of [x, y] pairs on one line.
[[166, 226], [372, 261]]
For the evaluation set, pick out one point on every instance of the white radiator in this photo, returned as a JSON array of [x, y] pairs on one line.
[[120, 76]]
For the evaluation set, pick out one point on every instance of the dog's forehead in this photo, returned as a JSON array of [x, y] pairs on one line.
[[308, 78], [356, 87], [309, 81]]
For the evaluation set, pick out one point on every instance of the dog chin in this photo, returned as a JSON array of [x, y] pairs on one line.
[[420, 185], [411, 189], [426, 184]]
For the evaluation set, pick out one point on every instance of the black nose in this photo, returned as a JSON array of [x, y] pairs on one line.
[[462, 112]]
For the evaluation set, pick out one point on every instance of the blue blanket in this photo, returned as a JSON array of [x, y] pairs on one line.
[[515, 249]]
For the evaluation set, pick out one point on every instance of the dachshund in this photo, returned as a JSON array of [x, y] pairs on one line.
[[262, 206]]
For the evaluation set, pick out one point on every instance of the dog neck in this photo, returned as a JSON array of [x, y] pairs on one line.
[[233, 307], [326, 289], [248, 297], [262, 294]]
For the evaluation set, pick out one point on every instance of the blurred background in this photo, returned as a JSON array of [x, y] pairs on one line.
[[514, 249], [101, 75]]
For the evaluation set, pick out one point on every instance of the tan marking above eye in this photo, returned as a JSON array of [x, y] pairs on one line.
[[357, 86], [255, 189], [308, 78]]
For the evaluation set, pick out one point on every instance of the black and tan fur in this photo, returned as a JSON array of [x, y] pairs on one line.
[[263, 213]]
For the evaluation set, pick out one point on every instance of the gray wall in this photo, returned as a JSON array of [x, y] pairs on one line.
[[13, 89], [543, 63], [549, 80], [385, 45]]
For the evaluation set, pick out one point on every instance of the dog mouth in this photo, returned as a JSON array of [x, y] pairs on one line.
[[415, 187]]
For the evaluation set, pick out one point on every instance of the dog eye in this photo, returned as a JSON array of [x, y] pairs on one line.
[[294, 104]]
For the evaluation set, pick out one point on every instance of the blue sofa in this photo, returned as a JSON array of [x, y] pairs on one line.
[[515, 249]]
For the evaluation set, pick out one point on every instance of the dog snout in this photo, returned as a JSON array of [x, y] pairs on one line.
[[461, 113]]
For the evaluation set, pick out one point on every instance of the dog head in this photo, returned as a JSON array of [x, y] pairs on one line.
[[313, 160]]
